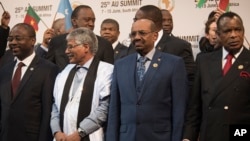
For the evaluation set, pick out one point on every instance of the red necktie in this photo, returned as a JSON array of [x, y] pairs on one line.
[[228, 63], [16, 78]]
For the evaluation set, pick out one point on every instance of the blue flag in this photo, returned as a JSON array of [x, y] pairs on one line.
[[66, 10]]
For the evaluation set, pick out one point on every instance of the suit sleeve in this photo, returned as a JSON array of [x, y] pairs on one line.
[[179, 99], [112, 133], [194, 110], [108, 55], [47, 99], [51, 51], [188, 58], [4, 33]]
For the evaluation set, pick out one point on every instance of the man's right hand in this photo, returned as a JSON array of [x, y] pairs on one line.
[[60, 136], [5, 19]]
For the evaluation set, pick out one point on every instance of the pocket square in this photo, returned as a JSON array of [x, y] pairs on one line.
[[244, 74]]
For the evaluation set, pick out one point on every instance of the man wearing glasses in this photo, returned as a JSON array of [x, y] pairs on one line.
[[148, 91], [81, 91]]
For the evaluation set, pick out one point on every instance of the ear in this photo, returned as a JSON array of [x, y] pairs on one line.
[[73, 21]]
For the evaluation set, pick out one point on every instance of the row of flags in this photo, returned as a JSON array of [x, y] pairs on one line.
[[64, 8], [223, 4]]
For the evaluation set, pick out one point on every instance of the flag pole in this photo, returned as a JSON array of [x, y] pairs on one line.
[[53, 19], [2, 6], [40, 18]]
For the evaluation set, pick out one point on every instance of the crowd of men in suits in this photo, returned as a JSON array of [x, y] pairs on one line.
[[78, 86]]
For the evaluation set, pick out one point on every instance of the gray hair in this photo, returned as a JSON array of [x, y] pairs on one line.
[[84, 35]]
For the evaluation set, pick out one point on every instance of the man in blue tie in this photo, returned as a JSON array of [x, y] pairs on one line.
[[148, 107]]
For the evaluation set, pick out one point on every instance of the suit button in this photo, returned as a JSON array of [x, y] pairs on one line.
[[226, 107], [138, 103], [209, 108]]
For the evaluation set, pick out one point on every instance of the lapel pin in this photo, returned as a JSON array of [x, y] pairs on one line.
[[116, 52], [31, 69], [240, 67], [155, 65], [159, 59]]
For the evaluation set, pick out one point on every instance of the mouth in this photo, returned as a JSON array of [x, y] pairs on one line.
[[233, 44]]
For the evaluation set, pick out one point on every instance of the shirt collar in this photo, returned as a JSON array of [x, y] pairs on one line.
[[87, 64], [225, 52], [115, 44], [160, 34], [27, 61], [149, 55]]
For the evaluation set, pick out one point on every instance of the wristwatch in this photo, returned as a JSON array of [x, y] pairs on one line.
[[81, 133]]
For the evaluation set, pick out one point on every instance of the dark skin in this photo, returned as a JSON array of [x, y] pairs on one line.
[[231, 34], [22, 44]]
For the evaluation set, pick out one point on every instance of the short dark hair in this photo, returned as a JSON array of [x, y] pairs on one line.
[[152, 13], [112, 21], [227, 15], [77, 9], [28, 27]]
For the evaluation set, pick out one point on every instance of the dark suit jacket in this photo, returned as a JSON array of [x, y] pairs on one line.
[[218, 101], [58, 46], [154, 112], [6, 58], [40, 51], [120, 51], [176, 46], [26, 117], [4, 33]]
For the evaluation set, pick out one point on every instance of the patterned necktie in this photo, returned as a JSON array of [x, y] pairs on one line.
[[228, 63], [141, 67], [17, 78]]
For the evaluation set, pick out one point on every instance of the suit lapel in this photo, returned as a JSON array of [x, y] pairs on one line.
[[234, 72], [27, 75], [162, 42], [153, 67], [8, 86]]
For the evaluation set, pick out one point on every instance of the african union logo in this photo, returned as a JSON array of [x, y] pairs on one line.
[[166, 4]]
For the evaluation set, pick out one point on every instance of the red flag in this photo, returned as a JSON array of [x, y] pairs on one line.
[[224, 4], [32, 18]]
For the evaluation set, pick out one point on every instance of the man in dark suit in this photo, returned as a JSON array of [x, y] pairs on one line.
[[110, 31], [26, 106], [221, 94], [149, 107], [42, 49], [82, 16], [166, 43], [4, 32]]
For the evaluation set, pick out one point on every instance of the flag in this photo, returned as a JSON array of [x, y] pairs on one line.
[[224, 5], [32, 18], [201, 3], [66, 10]]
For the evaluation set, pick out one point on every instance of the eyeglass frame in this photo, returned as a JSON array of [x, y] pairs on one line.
[[17, 38], [141, 33], [69, 47]]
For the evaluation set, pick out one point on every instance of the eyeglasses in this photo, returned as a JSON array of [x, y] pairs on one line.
[[72, 46], [140, 33], [17, 38]]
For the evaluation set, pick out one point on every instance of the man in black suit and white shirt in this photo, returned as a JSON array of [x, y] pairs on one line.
[[82, 16], [110, 31]]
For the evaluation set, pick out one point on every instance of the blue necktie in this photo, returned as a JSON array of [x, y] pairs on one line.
[[141, 67]]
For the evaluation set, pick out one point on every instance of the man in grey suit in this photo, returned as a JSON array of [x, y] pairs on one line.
[[147, 107], [26, 92]]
